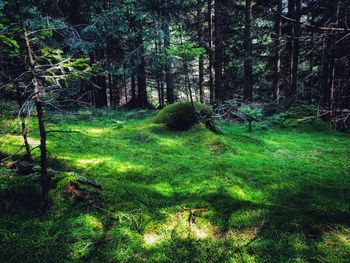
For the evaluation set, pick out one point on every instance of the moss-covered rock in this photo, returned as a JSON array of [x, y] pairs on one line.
[[182, 116]]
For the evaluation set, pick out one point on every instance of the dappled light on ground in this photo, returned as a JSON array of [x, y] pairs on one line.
[[265, 196]]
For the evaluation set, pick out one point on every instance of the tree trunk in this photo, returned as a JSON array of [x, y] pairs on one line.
[[201, 57], [219, 50], [294, 7], [142, 100], [23, 125], [133, 89], [248, 61], [44, 178], [311, 63], [210, 52], [168, 65], [277, 71], [101, 83]]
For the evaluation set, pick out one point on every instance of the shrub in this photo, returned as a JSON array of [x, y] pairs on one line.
[[251, 113], [182, 116]]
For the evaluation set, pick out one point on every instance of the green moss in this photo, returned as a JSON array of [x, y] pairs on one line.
[[182, 116], [278, 195]]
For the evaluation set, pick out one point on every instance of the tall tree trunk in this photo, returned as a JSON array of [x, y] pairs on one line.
[[311, 63], [44, 178], [277, 70], [142, 100], [168, 66], [210, 52], [290, 45], [23, 125], [125, 89], [219, 50], [201, 57], [295, 64], [101, 83], [248, 61], [294, 7], [133, 89]]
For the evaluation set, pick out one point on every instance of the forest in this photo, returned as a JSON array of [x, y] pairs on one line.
[[175, 131]]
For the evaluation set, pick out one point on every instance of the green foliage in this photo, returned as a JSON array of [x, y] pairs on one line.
[[299, 118], [186, 51], [251, 112], [182, 116]]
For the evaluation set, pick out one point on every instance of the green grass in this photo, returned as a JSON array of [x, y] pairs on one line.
[[194, 196]]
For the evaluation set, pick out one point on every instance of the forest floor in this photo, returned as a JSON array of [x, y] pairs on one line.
[[272, 195]]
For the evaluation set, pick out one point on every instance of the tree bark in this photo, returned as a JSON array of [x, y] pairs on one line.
[[294, 7], [311, 63], [277, 70], [168, 65], [23, 125], [142, 100], [219, 51], [44, 178], [201, 57], [248, 61], [210, 52]]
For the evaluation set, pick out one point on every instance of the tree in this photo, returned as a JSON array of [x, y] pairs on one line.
[[248, 61]]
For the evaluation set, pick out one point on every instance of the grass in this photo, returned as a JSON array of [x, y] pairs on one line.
[[272, 195]]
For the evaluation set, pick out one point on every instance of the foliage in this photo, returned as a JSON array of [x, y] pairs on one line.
[[251, 112], [186, 51]]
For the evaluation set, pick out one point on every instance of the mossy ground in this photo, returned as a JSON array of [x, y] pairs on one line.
[[194, 196]]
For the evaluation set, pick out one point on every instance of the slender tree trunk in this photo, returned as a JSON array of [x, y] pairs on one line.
[[133, 89], [201, 57], [311, 63], [23, 125], [101, 83], [142, 100], [168, 66], [125, 89], [296, 47], [248, 61], [45, 179], [294, 7], [162, 88], [210, 52], [277, 71], [219, 50], [290, 45], [188, 80]]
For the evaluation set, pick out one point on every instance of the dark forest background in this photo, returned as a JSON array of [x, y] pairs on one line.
[[151, 53]]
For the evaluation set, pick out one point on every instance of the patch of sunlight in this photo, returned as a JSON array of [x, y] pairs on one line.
[[95, 131], [238, 192], [126, 166], [185, 224], [242, 237], [169, 142], [164, 188], [86, 230], [151, 239], [336, 242], [11, 139], [246, 194], [93, 160], [33, 142]]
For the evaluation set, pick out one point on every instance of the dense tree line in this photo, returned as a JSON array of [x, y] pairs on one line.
[[145, 53]]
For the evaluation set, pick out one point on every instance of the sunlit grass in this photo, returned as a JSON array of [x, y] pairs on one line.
[[195, 196]]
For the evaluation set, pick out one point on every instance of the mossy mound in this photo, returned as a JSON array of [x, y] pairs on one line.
[[181, 116]]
